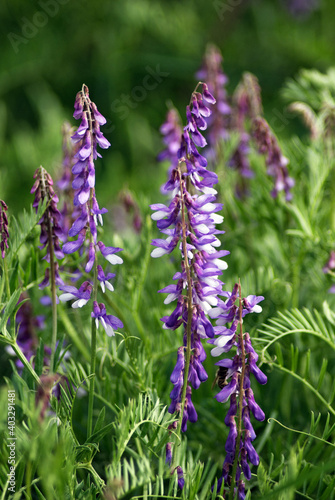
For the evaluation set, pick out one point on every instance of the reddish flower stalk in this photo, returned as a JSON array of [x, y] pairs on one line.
[[3, 228], [51, 232]]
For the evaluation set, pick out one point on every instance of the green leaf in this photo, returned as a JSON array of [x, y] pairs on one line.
[[23, 226], [39, 359], [301, 219], [100, 421], [97, 436], [60, 352], [9, 309], [14, 275]]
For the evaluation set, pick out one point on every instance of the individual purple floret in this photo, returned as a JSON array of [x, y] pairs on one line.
[[51, 223], [219, 121], [228, 312], [276, 163], [329, 268], [82, 295], [109, 322], [189, 223], [237, 388], [4, 235], [88, 214]]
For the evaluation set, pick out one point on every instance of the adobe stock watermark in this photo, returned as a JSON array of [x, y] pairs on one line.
[[11, 440], [126, 102], [280, 119], [222, 7], [30, 27]]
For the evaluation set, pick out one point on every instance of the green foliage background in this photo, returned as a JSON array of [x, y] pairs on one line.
[[108, 45]]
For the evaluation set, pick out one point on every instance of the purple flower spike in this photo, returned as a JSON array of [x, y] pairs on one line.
[[276, 163], [171, 131], [181, 480], [188, 224], [234, 388], [4, 235], [51, 223], [87, 137], [219, 120]]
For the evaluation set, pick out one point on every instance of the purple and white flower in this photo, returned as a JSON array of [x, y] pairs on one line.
[[82, 295], [108, 321]]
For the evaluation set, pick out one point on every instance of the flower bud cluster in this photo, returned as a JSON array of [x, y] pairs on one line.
[[276, 163], [51, 222], [247, 105], [171, 130], [4, 235], [219, 121], [65, 182]]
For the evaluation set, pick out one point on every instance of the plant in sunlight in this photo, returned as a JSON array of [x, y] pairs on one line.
[[87, 417]]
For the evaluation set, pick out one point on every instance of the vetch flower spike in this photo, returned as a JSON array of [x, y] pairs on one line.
[[218, 121], [87, 215], [237, 389], [275, 161], [189, 224], [51, 233]]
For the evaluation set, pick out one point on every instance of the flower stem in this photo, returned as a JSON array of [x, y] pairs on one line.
[[189, 303], [93, 358], [53, 299], [52, 271], [5, 269], [240, 398]]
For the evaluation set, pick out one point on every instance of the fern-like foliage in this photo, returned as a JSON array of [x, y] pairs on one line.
[[21, 227], [297, 321]]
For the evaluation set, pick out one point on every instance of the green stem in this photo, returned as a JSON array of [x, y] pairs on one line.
[[143, 273], [47, 195], [93, 358], [25, 362], [77, 341], [53, 299], [97, 479], [84, 92], [5, 269], [296, 277], [240, 399], [28, 479], [332, 200]]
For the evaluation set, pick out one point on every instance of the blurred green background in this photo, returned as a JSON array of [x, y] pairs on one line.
[[50, 47]]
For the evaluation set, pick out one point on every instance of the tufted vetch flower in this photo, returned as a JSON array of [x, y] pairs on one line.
[[188, 225]]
